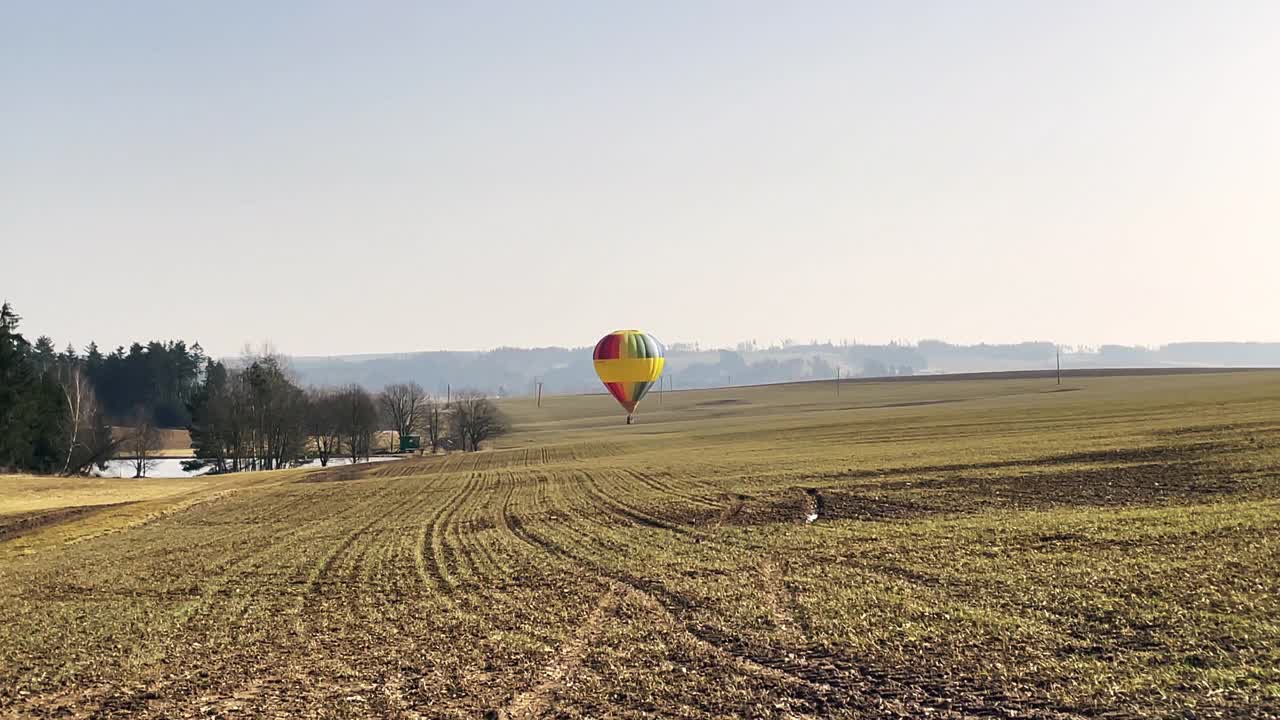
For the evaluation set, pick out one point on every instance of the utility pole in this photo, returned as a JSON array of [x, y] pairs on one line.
[[539, 393], [448, 394], [837, 382], [1057, 358]]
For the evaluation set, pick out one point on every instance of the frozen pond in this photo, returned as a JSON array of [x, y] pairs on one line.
[[172, 467]]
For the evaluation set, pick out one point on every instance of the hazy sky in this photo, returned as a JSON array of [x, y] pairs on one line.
[[372, 177]]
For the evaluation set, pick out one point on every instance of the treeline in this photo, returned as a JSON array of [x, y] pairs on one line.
[[157, 379], [62, 412], [256, 417], [50, 416]]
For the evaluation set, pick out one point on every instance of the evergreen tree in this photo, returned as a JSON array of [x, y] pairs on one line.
[[16, 375], [31, 427], [162, 377], [68, 358], [44, 354], [93, 360], [214, 436]]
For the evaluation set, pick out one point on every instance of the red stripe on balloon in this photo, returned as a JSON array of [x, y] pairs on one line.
[[618, 391], [608, 347]]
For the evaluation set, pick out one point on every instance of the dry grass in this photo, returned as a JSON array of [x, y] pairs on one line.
[[173, 442], [983, 548]]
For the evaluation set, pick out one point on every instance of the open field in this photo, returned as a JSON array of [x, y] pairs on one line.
[[983, 548], [173, 442]]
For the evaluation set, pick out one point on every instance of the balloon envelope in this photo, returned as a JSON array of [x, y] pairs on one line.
[[628, 363]]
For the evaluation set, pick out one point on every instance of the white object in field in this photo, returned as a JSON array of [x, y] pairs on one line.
[[810, 518]]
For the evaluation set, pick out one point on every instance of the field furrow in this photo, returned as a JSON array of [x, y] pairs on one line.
[[1009, 553]]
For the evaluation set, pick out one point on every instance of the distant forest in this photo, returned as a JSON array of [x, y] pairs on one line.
[[513, 371], [58, 409], [158, 378], [69, 412]]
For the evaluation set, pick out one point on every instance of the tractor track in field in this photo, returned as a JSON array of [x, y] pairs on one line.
[[834, 678], [317, 580], [536, 701], [668, 489], [469, 530], [600, 497], [324, 576], [1009, 561], [458, 463], [611, 500], [358, 571], [105, 700], [15, 526], [443, 557], [781, 600], [433, 557], [821, 680], [240, 687], [450, 552], [649, 594], [512, 523]]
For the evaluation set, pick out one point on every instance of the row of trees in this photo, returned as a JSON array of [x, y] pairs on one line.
[[159, 378], [467, 420], [256, 417], [50, 416], [65, 413]]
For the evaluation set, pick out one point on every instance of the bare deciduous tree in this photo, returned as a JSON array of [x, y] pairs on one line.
[[433, 423], [323, 423], [357, 421], [475, 419], [82, 407], [278, 410], [89, 438], [402, 406], [142, 444], [249, 418]]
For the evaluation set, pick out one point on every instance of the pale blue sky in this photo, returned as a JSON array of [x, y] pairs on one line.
[[351, 177]]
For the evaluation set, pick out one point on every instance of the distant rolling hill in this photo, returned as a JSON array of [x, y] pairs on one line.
[[513, 371]]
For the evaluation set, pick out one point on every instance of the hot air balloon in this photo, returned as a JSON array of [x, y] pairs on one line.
[[628, 363]]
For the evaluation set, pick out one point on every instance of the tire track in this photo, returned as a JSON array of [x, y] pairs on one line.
[[645, 591], [427, 561], [469, 531], [819, 678], [600, 498], [537, 700], [666, 488], [229, 605], [447, 552]]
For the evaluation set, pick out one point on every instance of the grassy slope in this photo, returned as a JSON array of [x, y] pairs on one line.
[[172, 442], [1006, 548]]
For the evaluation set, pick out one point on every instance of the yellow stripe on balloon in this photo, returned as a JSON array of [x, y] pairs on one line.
[[629, 369]]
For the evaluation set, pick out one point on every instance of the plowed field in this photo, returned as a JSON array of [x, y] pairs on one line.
[[948, 549]]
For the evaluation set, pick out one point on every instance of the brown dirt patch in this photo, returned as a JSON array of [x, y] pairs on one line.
[[12, 526]]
